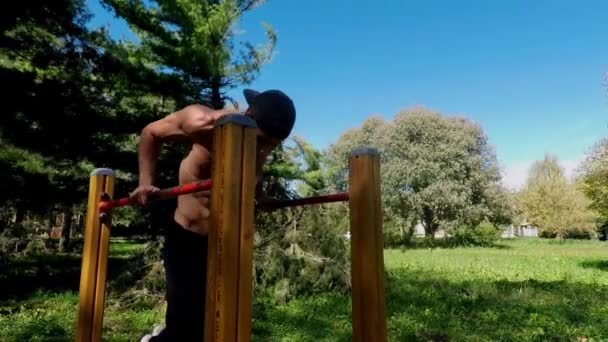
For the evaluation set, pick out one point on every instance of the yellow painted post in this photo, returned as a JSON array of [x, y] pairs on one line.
[[94, 260], [368, 304], [102, 267], [230, 258], [247, 224]]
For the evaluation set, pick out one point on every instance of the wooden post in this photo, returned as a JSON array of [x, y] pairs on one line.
[[94, 260], [368, 305], [230, 258]]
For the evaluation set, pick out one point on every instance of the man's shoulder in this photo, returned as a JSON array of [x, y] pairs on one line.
[[196, 108], [210, 113], [225, 111]]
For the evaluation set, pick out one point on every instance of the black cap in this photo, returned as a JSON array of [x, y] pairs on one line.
[[273, 111]]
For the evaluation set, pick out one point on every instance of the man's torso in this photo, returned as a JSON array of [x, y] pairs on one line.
[[193, 209]]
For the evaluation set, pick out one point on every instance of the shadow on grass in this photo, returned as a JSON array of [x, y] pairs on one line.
[[43, 329], [598, 264], [50, 273], [427, 307], [319, 318]]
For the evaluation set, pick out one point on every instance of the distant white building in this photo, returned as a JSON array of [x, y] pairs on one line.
[[524, 229], [419, 231]]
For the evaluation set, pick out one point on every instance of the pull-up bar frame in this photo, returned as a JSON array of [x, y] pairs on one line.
[[230, 260]]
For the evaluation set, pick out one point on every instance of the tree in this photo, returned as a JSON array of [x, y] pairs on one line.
[[444, 169], [300, 250], [190, 46], [44, 55], [370, 134], [594, 179], [436, 170], [553, 204], [186, 53], [66, 111]]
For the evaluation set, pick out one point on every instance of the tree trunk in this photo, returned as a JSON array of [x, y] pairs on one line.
[[20, 214], [402, 232], [407, 233], [216, 96], [161, 104], [49, 221], [429, 226], [66, 229]]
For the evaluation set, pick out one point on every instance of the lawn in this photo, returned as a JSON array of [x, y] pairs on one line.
[[524, 290]]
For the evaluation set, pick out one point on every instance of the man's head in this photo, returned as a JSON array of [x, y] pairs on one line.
[[273, 111]]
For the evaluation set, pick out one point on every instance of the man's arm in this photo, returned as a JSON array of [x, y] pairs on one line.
[[184, 125]]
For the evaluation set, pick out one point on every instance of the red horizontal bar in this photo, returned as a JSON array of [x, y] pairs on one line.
[[275, 204], [206, 185], [162, 194]]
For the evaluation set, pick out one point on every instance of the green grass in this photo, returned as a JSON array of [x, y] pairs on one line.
[[526, 290]]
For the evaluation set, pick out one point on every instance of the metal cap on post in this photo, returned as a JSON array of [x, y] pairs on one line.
[[103, 171], [230, 254], [361, 151], [368, 305], [237, 119]]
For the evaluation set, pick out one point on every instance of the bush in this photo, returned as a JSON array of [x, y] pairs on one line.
[[392, 235], [572, 233], [141, 283], [41, 329], [36, 246], [12, 241], [301, 253], [484, 234]]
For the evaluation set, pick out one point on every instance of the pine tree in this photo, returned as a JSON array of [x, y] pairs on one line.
[[66, 110], [300, 250], [191, 46]]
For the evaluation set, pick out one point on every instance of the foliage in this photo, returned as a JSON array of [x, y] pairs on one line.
[[436, 170], [141, 282], [188, 47], [484, 234], [63, 113], [594, 178], [17, 240], [38, 62], [64, 75], [299, 251], [371, 134], [554, 205]]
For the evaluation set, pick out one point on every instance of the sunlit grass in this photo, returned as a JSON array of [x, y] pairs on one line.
[[525, 290]]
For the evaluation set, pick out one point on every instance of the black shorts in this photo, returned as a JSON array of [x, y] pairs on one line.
[[185, 261]]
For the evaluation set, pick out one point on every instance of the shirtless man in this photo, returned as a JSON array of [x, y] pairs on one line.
[[185, 250]]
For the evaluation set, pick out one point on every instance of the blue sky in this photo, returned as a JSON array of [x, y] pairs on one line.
[[530, 72]]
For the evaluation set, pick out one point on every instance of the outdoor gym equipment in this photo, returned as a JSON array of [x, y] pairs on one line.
[[230, 259]]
